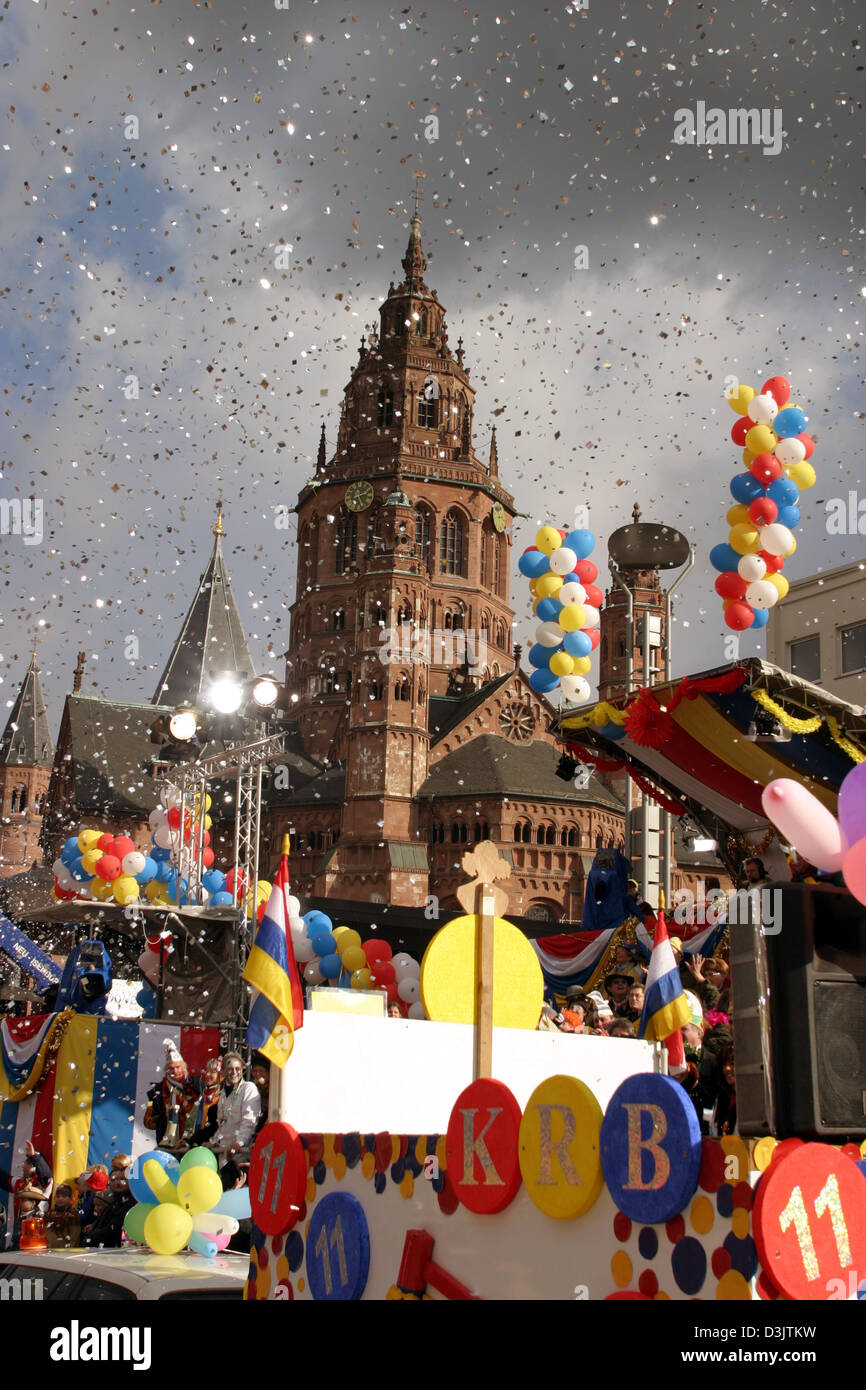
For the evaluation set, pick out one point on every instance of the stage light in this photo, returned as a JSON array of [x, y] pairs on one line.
[[566, 768], [226, 695], [266, 692], [183, 724]]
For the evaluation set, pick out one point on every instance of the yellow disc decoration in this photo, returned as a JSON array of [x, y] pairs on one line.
[[559, 1147], [449, 981], [763, 1152]]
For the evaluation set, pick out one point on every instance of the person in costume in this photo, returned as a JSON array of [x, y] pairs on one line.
[[172, 1101], [206, 1114], [63, 1224]]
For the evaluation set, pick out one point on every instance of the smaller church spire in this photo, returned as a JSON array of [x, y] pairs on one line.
[[494, 457], [219, 530], [27, 739], [321, 460]]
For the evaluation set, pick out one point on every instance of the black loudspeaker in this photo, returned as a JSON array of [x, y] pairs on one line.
[[799, 1013]]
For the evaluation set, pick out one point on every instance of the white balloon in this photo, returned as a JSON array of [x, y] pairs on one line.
[[408, 991], [563, 560], [762, 409], [293, 907], [172, 797], [417, 1010], [776, 539], [592, 618], [312, 973], [549, 634], [303, 947], [751, 567], [762, 594], [575, 689], [400, 961], [572, 593], [148, 964], [133, 863], [408, 969], [163, 837], [790, 451], [58, 868], [157, 818]]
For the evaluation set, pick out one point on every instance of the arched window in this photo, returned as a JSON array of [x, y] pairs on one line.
[[540, 912], [402, 690], [563, 836], [604, 648], [377, 690], [404, 614], [421, 325], [599, 840], [452, 544], [428, 411], [517, 832], [527, 834], [347, 542], [385, 409], [539, 835], [338, 620], [573, 838], [423, 532], [549, 835], [488, 555], [485, 831]]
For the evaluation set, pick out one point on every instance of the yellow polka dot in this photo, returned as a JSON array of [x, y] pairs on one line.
[[328, 1150], [368, 1166], [733, 1288], [702, 1215], [740, 1222], [283, 1270], [763, 1152], [621, 1269], [339, 1167], [263, 1282], [440, 1152], [393, 1295], [734, 1147], [311, 1188], [863, 1148], [407, 1185], [395, 1147], [302, 1284], [421, 1149], [661, 1297]]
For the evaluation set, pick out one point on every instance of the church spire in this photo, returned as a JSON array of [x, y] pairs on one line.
[[494, 457], [211, 639], [322, 460], [26, 739], [415, 262]]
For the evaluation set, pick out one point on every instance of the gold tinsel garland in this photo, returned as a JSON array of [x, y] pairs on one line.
[[808, 726], [48, 1049]]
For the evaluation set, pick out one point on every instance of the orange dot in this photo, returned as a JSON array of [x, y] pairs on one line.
[[283, 1270], [733, 1288], [621, 1269], [302, 1284], [701, 1215], [740, 1222], [368, 1165], [263, 1282], [328, 1149], [421, 1149], [733, 1147], [393, 1295], [407, 1185], [661, 1297], [311, 1188], [339, 1167], [395, 1147]]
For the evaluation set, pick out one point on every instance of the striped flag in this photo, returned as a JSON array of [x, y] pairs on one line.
[[277, 1008], [665, 1007]]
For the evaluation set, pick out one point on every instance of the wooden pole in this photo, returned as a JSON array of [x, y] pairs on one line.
[[485, 913]]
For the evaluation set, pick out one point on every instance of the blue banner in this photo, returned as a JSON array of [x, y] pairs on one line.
[[24, 952]]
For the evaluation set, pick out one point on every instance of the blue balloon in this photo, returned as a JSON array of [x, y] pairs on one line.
[[614, 731], [78, 871], [533, 563], [160, 855], [213, 880], [164, 871], [323, 943], [745, 488], [70, 846], [221, 900], [761, 618], [723, 557], [539, 656], [548, 610], [572, 579], [236, 1203], [148, 872], [581, 542], [543, 680], [784, 492], [577, 644], [330, 966], [790, 422], [788, 516], [317, 921], [138, 1186]]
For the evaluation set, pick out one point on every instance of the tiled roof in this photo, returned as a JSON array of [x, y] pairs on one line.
[[489, 765]]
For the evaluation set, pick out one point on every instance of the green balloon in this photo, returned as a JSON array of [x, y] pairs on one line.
[[134, 1221], [198, 1158]]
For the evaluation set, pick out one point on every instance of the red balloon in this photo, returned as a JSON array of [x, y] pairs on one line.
[[383, 974], [809, 444], [105, 843], [230, 882], [376, 950], [739, 615], [67, 897], [122, 846], [207, 858], [594, 595], [173, 817], [206, 837], [766, 469], [740, 429], [108, 867], [393, 996], [562, 532], [777, 387], [763, 510], [773, 562], [529, 548], [731, 585], [594, 636], [586, 571]]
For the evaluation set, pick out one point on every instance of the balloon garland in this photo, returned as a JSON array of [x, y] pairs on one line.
[[776, 453], [568, 601], [337, 956], [182, 1204]]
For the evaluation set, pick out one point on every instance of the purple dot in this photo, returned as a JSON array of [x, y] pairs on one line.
[[689, 1265], [725, 1200], [648, 1243], [743, 1255]]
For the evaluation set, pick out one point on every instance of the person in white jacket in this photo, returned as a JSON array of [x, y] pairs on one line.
[[238, 1109]]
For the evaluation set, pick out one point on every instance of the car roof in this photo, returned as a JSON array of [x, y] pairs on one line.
[[146, 1274]]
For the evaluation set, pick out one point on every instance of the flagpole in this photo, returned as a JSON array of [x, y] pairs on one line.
[[276, 1098]]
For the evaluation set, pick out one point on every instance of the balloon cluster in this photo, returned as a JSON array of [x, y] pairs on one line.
[[180, 1204], [337, 956], [776, 454], [567, 600], [830, 844]]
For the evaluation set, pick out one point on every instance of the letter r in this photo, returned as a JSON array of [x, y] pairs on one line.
[[476, 1148]]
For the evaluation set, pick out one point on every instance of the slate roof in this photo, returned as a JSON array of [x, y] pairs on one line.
[[27, 738], [110, 746], [211, 639], [488, 765], [447, 710], [326, 789]]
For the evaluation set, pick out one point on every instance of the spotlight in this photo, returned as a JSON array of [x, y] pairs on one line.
[[226, 694], [266, 692], [183, 725], [566, 768], [703, 846]]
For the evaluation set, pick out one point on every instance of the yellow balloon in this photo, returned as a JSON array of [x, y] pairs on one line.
[[351, 938], [352, 957], [582, 665], [803, 474], [790, 552], [761, 439], [199, 1189], [125, 890], [744, 539], [749, 459], [264, 889], [779, 582], [90, 858], [361, 979], [739, 400], [207, 802], [159, 1182], [739, 516], [548, 584], [571, 618], [102, 890], [338, 933], [167, 1228], [88, 838], [152, 890], [533, 589], [561, 664], [548, 540], [207, 822]]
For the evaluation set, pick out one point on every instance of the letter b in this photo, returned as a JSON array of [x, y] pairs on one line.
[[652, 1145]]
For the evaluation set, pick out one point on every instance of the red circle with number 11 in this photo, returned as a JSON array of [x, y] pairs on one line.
[[809, 1221], [278, 1178]]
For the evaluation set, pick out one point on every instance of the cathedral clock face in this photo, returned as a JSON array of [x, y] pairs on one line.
[[498, 516], [359, 496]]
